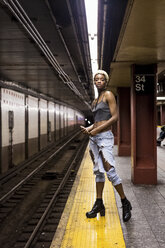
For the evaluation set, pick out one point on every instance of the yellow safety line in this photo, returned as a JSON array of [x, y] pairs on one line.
[[100, 232]]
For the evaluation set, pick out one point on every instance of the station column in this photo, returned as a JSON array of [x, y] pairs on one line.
[[162, 114], [114, 131], [143, 124], [124, 125]]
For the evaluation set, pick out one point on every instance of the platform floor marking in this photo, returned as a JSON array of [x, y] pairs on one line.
[[100, 232]]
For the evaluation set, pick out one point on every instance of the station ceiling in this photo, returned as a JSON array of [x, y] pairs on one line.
[[44, 47], [136, 36]]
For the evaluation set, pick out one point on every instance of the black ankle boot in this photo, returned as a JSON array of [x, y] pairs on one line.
[[126, 205], [98, 207]]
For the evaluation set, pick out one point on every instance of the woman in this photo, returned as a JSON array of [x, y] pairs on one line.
[[101, 146]]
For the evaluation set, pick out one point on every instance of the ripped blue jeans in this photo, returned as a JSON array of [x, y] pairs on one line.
[[101, 151]]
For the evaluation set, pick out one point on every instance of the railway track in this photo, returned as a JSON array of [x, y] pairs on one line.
[[29, 213]]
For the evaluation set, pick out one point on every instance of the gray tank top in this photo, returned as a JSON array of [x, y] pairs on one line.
[[101, 112]]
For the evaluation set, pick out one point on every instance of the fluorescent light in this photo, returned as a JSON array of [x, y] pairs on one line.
[[160, 98], [92, 16], [91, 13]]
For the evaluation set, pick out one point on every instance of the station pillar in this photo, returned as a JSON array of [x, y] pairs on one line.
[[114, 131], [162, 114], [143, 124], [124, 124]]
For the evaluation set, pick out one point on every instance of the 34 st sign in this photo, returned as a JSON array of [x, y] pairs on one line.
[[144, 83]]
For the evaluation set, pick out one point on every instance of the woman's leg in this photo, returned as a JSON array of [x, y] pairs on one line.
[[99, 190], [120, 191], [98, 206], [116, 182], [100, 179]]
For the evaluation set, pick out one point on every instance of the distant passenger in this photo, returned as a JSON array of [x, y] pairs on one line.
[[101, 146], [161, 136]]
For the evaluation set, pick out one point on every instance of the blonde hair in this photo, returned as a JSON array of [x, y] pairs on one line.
[[102, 72]]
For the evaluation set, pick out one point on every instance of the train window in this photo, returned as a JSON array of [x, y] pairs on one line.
[[57, 113], [11, 119], [51, 120], [61, 121]]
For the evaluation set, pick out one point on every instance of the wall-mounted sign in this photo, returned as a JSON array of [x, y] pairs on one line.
[[144, 84]]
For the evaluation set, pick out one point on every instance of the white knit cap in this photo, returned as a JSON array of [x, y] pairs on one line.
[[102, 72]]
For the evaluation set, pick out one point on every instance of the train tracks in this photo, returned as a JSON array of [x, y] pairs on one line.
[[29, 213]]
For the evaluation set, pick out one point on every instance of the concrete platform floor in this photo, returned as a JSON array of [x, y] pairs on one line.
[[146, 229]]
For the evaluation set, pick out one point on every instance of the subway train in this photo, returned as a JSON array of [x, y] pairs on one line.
[[31, 123], [46, 83]]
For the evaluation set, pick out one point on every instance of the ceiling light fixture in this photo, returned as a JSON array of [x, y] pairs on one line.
[[92, 17]]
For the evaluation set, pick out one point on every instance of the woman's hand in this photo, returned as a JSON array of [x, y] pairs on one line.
[[84, 130], [93, 132], [90, 133]]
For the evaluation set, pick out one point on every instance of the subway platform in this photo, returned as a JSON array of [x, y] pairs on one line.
[[146, 228]]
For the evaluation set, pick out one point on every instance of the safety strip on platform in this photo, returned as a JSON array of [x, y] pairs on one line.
[[81, 232]]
